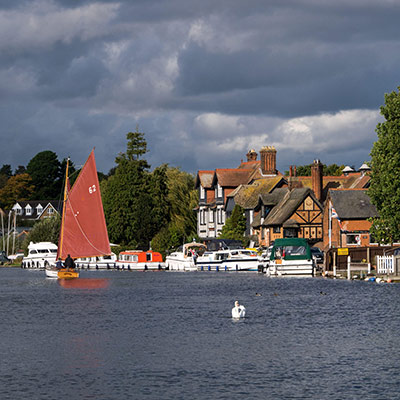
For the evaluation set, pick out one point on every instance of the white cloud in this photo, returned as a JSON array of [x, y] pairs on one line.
[[43, 23]]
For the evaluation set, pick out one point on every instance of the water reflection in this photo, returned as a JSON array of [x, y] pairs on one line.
[[84, 283]]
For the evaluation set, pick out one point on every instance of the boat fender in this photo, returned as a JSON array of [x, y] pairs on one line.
[[209, 268], [145, 267], [159, 267], [237, 268], [201, 268], [97, 267], [108, 267], [226, 268], [217, 268]]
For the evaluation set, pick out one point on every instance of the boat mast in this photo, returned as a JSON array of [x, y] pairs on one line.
[[63, 211]]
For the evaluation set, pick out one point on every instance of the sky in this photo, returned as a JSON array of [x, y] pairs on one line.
[[205, 81]]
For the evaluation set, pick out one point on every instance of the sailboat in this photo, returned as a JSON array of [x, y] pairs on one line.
[[83, 227]]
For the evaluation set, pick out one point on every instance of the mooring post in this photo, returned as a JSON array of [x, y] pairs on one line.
[[334, 264], [348, 267]]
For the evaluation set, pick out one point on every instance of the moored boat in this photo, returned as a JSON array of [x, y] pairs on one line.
[[228, 260], [95, 263], [138, 260], [291, 257], [40, 255], [185, 258]]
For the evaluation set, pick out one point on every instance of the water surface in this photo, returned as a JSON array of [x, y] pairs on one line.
[[166, 335]]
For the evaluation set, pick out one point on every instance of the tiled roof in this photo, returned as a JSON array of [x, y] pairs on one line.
[[288, 205], [250, 164], [352, 204], [232, 177], [205, 178], [247, 195]]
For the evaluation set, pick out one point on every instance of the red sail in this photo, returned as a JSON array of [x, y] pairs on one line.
[[83, 229]]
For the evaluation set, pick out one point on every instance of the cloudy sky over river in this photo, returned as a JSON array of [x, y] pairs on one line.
[[204, 80]]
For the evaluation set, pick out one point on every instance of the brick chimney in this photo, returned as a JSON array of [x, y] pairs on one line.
[[268, 160], [316, 177], [251, 155]]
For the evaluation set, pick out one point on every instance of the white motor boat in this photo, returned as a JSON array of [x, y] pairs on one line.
[[291, 257], [229, 260], [94, 263], [40, 255], [185, 258]]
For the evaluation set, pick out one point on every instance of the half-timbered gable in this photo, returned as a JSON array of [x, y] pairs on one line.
[[297, 213]]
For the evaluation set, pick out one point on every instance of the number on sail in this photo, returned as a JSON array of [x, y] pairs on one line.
[[92, 189]]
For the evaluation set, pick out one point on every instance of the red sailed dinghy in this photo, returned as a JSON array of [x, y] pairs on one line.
[[83, 227]]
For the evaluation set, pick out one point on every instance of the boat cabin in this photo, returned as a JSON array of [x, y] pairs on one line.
[[139, 256]]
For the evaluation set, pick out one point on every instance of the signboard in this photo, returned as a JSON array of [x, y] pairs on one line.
[[343, 251]]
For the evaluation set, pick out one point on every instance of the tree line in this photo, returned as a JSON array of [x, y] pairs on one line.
[[142, 208]]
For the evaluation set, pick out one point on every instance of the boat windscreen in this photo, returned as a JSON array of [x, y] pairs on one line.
[[295, 250]]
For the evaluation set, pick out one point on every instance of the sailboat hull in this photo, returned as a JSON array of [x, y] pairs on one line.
[[67, 274]]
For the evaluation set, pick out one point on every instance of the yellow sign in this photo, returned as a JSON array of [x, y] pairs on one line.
[[343, 252]]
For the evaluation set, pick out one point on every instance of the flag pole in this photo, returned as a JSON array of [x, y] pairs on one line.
[[330, 224]]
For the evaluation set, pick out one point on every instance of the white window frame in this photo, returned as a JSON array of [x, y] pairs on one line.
[[211, 216], [219, 190], [28, 210], [202, 192]]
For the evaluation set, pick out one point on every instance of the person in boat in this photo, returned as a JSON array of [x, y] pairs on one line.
[[59, 264], [69, 262], [238, 311]]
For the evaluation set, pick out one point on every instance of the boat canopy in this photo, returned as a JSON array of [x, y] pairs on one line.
[[291, 249]]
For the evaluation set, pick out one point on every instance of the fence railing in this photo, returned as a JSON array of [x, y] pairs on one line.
[[385, 264]]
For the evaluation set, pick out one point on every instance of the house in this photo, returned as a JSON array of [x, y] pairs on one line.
[[216, 186], [288, 212], [35, 209], [346, 218], [247, 197]]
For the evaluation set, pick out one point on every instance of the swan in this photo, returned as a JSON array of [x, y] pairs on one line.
[[238, 311]]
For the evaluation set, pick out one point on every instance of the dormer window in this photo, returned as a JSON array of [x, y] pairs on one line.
[[39, 210], [28, 210]]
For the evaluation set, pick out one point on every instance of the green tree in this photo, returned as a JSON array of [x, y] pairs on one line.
[[182, 199], [235, 225], [17, 188], [46, 174], [327, 170], [161, 213], [5, 174], [45, 230], [127, 200], [20, 170], [384, 189]]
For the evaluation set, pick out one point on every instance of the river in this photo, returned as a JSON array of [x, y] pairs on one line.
[[170, 335]]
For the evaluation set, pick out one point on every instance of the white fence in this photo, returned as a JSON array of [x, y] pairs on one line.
[[385, 264]]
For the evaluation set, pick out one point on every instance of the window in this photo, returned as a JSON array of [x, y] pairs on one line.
[[202, 192], [39, 210], [202, 217], [50, 210], [219, 190], [28, 210], [148, 256], [211, 216], [18, 211], [277, 229], [353, 238]]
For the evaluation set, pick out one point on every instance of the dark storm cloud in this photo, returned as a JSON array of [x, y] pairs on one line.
[[204, 80]]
